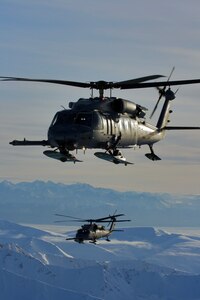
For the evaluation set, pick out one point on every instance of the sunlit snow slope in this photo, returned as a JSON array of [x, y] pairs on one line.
[[140, 263]]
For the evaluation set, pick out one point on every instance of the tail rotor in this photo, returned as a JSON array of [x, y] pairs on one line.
[[163, 93]]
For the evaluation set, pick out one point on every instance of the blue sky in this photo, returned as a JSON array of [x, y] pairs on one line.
[[92, 40]]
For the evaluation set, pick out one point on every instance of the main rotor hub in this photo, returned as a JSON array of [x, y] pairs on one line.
[[101, 85]]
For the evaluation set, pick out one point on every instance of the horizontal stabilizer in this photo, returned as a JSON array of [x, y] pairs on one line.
[[180, 128]]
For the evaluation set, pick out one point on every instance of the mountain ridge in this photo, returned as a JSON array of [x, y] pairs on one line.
[[38, 201], [37, 264]]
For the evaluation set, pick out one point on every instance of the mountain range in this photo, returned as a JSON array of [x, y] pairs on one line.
[[142, 263], [37, 203]]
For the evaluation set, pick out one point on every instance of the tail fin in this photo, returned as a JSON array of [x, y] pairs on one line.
[[112, 226], [164, 115]]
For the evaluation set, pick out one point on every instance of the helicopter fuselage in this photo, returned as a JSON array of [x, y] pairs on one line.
[[107, 123], [91, 233], [86, 126]]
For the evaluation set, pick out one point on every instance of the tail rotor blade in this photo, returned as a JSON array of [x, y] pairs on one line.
[[162, 93], [155, 107]]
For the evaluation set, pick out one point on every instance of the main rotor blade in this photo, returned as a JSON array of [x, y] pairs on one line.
[[116, 221], [64, 221], [94, 85], [136, 80], [71, 217], [159, 84], [109, 217], [91, 220], [54, 81], [86, 220], [137, 83]]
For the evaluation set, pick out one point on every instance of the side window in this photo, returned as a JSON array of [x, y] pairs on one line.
[[84, 119]]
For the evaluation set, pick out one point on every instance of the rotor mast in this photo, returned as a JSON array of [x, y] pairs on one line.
[[101, 85]]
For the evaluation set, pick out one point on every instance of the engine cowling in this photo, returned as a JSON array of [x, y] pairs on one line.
[[125, 106]]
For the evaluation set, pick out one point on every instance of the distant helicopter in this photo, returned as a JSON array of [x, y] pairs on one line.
[[107, 123], [92, 232]]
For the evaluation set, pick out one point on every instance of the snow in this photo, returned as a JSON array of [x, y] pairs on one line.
[[141, 263]]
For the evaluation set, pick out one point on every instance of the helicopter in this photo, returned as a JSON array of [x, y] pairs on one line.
[[92, 231], [107, 123]]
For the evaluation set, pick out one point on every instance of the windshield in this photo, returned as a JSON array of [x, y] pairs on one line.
[[63, 117], [69, 117]]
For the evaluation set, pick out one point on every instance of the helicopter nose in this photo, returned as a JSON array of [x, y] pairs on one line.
[[60, 136], [70, 136]]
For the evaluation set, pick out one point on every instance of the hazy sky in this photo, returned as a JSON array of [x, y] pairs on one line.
[[88, 41]]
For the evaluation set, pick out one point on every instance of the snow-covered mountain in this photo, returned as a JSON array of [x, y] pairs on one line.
[[141, 263], [37, 202]]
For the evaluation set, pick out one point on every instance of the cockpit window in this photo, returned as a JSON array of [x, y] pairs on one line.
[[69, 117], [54, 120], [63, 117]]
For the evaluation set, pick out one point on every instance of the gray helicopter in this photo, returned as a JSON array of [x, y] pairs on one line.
[[92, 231], [107, 123]]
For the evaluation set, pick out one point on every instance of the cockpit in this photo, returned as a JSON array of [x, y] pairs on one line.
[[68, 117], [63, 117]]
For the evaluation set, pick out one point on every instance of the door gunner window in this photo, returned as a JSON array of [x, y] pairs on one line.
[[84, 119]]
